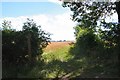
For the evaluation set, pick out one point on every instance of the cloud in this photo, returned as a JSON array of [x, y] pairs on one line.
[[56, 1], [61, 26]]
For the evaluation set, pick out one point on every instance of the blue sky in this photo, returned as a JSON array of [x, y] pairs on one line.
[[15, 9], [52, 17]]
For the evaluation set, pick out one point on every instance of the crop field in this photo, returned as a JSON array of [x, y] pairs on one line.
[[57, 45], [57, 51]]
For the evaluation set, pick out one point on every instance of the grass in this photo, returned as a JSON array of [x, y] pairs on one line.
[[59, 62], [61, 54], [56, 60]]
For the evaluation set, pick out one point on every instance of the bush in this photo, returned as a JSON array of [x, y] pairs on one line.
[[21, 47]]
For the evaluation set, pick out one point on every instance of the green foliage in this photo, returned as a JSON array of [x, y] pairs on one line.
[[39, 39], [88, 13], [111, 35], [6, 25], [99, 44], [86, 40], [15, 45]]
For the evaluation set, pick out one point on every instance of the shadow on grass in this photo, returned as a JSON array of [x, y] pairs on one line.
[[99, 62], [99, 65], [80, 66]]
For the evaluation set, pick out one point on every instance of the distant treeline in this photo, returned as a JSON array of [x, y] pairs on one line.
[[62, 41]]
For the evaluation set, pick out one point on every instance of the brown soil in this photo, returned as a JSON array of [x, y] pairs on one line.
[[56, 45]]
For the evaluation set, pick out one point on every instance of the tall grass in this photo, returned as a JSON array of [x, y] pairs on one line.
[[61, 54]]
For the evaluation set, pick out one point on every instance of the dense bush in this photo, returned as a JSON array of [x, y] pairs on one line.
[[20, 48]]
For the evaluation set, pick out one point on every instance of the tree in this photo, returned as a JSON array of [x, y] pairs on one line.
[[6, 25], [117, 3], [21, 48], [88, 14], [118, 30], [36, 38]]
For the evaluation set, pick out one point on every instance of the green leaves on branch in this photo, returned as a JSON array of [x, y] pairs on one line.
[[17, 44], [88, 13], [94, 36]]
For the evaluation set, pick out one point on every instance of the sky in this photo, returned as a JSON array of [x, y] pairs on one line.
[[15, 9], [50, 15]]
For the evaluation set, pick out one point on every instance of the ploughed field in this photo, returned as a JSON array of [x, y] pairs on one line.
[[57, 45]]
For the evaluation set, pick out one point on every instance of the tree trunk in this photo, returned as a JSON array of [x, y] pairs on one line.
[[118, 12], [29, 46]]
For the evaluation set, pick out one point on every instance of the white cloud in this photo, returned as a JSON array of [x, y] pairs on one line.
[[61, 26], [56, 1]]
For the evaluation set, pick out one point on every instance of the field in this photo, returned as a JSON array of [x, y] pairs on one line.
[[57, 51], [56, 45]]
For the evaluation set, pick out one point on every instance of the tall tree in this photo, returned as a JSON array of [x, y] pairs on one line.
[[118, 31], [88, 14], [118, 9], [36, 38]]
